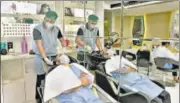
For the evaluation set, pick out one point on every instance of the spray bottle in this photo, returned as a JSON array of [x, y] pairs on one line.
[[24, 46]]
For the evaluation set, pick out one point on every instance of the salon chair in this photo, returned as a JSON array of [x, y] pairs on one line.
[[143, 59], [93, 59], [108, 84], [100, 93], [128, 55], [160, 63]]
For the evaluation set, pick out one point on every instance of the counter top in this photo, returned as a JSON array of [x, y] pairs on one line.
[[18, 56], [133, 50], [24, 56]]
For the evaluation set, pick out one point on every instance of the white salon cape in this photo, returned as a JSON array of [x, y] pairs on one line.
[[62, 79], [83, 94], [134, 80], [162, 51]]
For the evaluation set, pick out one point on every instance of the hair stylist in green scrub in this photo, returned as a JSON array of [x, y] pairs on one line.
[[88, 35], [45, 37]]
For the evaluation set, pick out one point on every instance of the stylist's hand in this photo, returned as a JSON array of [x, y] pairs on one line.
[[49, 62], [87, 48], [105, 51]]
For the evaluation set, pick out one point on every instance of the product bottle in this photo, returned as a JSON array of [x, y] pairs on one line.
[[24, 45]]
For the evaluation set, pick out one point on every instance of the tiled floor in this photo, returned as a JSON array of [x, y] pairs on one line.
[[174, 92], [158, 75]]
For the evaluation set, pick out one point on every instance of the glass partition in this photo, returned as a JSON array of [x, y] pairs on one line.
[[174, 32]]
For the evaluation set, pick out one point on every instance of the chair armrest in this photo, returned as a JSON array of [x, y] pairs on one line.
[[101, 91], [159, 84], [108, 77], [135, 93], [126, 94]]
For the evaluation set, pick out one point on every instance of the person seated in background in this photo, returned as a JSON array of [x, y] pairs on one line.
[[163, 51], [81, 94], [127, 76], [108, 48]]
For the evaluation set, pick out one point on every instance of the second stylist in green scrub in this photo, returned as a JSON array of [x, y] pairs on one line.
[[88, 35]]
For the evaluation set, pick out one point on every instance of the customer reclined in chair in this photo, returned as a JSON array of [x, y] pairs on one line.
[[128, 77], [69, 83]]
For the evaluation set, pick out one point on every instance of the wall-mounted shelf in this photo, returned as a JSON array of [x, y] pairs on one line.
[[32, 16], [16, 29], [79, 4]]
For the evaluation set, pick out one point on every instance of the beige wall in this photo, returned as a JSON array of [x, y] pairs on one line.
[[127, 30], [157, 25]]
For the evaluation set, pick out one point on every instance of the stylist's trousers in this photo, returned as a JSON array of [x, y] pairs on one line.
[[40, 81], [175, 73]]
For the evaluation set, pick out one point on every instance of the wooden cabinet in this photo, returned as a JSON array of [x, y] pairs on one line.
[[30, 80], [14, 92], [18, 81]]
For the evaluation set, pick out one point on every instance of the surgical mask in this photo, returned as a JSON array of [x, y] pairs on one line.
[[92, 26], [49, 25], [64, 59]]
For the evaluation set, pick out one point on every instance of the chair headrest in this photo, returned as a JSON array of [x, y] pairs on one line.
[[161, 61], [94, 59], [126, 53], [72, 60]]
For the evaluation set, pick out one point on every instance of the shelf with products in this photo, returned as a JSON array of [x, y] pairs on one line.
[[16, 29], [74, 22], [80, 4], [74, 18], [22, 7], [26, 9], [21, 16]]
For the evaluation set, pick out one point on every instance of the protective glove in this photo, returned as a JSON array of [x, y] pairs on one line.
[[105, 52], [49, 62], [87, 48]]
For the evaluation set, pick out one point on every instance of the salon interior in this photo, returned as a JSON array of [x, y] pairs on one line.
[[130, 30]]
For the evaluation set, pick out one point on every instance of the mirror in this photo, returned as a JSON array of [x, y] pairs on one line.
[[138, 30]]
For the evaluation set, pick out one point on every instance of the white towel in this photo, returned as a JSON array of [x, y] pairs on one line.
[[62, 79], [114, 63]]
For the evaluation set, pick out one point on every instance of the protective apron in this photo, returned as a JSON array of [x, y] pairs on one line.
[[89, 38], [49, 42]]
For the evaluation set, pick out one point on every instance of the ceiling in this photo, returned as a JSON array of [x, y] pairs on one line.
[[111, 2], [153, 8]]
